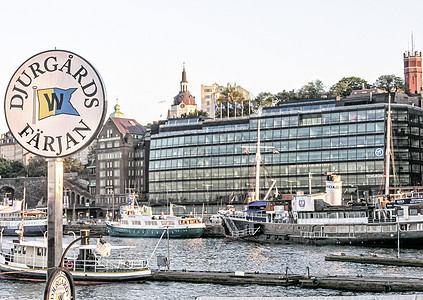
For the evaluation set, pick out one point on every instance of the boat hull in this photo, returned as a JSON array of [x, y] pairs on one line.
[[339, 234], [35, 230], [19, 272], [190, 232]]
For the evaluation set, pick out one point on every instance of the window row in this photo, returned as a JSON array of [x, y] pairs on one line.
[[282, 146], [276, 134], [274, 171]]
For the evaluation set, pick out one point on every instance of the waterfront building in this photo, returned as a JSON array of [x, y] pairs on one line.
[[211, 93], [11, 150], [413, 72], [200, 160], [183, 102], [120, 161]]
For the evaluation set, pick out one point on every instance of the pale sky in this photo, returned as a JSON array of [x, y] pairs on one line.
[[139, 47]]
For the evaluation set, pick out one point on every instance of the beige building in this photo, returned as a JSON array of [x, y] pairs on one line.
[[211, 93], [11, 150]]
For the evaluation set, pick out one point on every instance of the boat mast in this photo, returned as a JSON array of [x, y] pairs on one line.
[[21, 232], [388, 147], [258, 160]]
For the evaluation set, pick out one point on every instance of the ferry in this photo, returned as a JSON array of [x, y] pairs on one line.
[[140, 222], [13, 218], [88, 263]]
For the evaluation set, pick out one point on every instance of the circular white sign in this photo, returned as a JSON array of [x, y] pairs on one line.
[[379, 152], [55, 103]]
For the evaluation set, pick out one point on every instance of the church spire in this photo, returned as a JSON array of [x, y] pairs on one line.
[[184, 82]]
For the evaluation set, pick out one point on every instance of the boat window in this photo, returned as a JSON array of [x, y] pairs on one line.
[[24, 250], [39, 251], [168, 223], [150, 222], [360, 228], [400, 212], [343, 229], [330, 229], [388, 228], [332, 215], [125, 222], [413, 212], [136, 222], [374, 228]]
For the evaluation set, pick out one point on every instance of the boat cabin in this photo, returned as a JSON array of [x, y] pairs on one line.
[[31, 254]]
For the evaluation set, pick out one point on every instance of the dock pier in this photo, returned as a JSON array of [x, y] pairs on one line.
[[378, 260], [226, 278], [346, 283]]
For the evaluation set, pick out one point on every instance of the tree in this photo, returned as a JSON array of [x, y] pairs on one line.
[[346, 85], [313, 89], [17, 169], [390, 83], [285, 96], [231, 98], [196, 113], [264, 99], [11, 168], [5, 168], [72, 165], [37, 167]]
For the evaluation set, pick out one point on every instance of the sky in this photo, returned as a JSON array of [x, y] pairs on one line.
[[139, 47]]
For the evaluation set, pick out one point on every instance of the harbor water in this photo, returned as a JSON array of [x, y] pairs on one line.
[[226, 255]]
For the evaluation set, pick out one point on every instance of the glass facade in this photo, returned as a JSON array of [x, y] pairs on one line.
[[202, 161]]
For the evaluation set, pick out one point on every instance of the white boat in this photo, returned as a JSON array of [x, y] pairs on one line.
[[140, 222], [13, 219], [98, 263]]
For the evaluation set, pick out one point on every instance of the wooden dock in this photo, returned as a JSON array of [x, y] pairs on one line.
[[226, 278], [347, 283], [364, 283], [373, 259]]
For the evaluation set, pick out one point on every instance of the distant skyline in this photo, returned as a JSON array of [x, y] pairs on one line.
[[139, 47]]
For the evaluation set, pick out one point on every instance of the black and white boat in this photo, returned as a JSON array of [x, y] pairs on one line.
[[89, 263]]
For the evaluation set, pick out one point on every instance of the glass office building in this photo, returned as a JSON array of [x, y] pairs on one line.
[[211, 161]]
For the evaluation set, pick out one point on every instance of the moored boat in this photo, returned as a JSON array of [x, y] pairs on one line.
[[27, 259], [140, 222], [13, 218]]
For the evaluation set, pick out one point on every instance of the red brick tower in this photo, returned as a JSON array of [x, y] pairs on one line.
[[413, 71]]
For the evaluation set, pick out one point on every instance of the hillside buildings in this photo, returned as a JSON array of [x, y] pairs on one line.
[[120, 161], [11, 150], [211, 93]]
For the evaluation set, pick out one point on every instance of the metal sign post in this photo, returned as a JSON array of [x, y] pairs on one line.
[[55, 217]]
